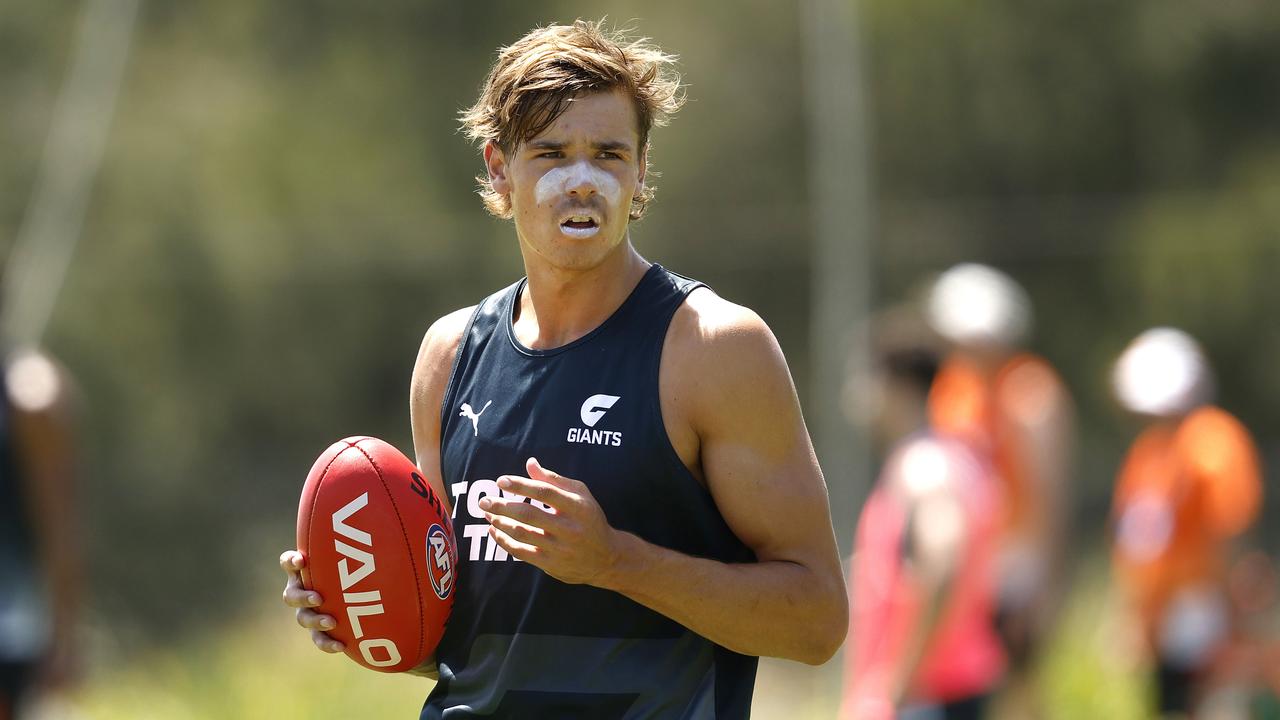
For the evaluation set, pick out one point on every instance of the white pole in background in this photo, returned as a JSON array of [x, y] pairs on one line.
[[37, 265], [841, 213]]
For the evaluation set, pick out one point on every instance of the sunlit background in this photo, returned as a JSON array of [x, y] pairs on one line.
[[284, 204]]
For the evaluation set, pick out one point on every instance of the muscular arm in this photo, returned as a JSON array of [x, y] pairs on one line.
[[430, 381], [733, 409]]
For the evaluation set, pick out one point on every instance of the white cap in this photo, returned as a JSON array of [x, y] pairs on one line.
[[1162, 372], [972, 304], [32, 381]]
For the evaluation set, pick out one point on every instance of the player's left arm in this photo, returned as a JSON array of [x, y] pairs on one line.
[[732, 387]]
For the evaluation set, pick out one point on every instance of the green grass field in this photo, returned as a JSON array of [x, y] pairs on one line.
[[266, 669]]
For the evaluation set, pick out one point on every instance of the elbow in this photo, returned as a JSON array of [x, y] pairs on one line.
[[827, 630]]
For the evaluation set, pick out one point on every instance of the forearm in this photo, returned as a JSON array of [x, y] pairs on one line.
[[772, 608]]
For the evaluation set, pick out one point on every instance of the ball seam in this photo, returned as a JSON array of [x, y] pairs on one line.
[[315, 498], [417, 580]]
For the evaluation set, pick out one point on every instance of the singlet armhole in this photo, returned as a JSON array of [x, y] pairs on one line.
[[451, 389], [655, 378]]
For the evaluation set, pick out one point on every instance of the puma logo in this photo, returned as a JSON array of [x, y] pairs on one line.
[[473, 416]]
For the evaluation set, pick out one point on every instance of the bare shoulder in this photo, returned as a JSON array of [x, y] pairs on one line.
[[709, 325], [709, 331], [440, 345], [435, 360], [722, 360]]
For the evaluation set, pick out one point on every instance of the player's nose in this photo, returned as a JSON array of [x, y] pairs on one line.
[[582, 181]]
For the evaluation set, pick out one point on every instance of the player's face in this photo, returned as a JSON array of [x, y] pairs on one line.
[[571, 186]]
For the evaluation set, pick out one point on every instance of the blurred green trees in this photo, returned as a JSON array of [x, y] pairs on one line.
[[286, 205]]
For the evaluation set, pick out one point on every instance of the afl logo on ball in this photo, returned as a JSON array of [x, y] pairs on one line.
[[440, 561]]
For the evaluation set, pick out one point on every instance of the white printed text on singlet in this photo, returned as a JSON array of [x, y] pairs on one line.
[[592, 411], [474, 538]]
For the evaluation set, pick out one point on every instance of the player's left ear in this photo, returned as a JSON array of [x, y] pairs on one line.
[[644, 167], [495, 161]]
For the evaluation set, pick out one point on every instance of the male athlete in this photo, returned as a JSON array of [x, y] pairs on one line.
[[638, 506]]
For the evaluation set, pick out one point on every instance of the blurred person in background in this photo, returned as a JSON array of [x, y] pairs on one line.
[[1189, 485], [922, 591], [1011, 407], [39, 559]]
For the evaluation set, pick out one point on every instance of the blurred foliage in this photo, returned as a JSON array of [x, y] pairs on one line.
[[286, 205]]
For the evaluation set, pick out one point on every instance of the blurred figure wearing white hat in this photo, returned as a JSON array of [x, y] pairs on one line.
[[1191, 482], [1011, 405]]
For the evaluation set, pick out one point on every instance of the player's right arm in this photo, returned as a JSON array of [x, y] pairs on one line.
[[426, 394], [430, 380]]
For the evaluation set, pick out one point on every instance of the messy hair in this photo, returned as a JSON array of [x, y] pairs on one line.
[[536, 77]]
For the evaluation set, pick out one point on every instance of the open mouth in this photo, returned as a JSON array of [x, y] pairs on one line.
[[580, 225]]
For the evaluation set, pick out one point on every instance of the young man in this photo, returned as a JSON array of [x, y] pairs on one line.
[[638, 506]]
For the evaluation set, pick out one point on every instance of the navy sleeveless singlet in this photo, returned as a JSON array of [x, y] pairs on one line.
[[521, 644]]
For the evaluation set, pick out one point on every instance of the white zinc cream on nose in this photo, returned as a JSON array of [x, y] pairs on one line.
[[558, 181]]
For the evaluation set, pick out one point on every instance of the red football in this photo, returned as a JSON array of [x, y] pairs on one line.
[[380, 551]]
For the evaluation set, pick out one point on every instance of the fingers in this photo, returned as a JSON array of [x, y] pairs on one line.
[[326, 643], [540, 490], [517, 510], [517, 549], [291, 561], [318, 624], [522, 532], [297, 596], [312, 620], [538, 472]]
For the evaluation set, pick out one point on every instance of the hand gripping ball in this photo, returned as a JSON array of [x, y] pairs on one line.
[[380, 550]]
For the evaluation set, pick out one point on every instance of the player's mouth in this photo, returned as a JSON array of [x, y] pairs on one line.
[[580, 226]]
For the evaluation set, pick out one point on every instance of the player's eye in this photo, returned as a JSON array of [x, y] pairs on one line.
[[608, 155]]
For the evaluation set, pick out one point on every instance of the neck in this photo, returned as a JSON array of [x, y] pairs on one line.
[[560, 305]]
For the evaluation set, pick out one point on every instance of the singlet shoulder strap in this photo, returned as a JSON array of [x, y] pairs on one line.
[[485, 319]]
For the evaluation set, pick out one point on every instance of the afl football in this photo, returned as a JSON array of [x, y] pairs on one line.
[[380, 551]]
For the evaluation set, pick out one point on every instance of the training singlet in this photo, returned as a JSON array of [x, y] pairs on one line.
[[993, 412], [521, 644], [1184, 491]]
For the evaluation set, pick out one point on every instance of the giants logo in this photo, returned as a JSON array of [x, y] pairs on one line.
[[592, 410], [360, 604]]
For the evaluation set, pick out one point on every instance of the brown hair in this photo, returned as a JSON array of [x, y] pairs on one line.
[[536, 77]]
